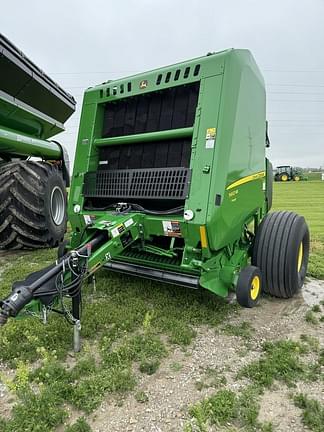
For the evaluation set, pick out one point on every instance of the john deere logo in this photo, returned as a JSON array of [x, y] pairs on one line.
[[143, 84]]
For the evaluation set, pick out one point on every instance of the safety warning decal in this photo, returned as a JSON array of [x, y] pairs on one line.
[[210, 138], [119, 229], [171, 228]]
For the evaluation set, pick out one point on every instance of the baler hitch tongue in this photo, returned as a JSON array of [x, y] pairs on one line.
[[50, 283]]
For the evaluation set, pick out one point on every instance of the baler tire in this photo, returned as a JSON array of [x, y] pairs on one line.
[[281, 250], [248, 287], [32, 205]]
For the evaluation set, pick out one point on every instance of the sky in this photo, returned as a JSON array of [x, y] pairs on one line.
[[84, 43]]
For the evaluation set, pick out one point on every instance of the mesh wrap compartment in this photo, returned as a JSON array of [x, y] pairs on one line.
[[161, 183]]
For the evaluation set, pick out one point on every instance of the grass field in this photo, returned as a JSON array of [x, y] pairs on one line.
[[307, 199], [129, 326]]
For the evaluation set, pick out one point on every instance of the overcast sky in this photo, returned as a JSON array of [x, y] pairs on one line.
[[81, 43]]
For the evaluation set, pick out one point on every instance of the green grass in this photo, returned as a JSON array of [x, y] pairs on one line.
[[123, 324], [313, 412], [280, 361], [307, 199], [79, 426], [226, 408], [283, 361]]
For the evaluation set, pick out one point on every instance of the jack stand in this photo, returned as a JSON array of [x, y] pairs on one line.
[[94, 284], [44, 315], [77, 336]]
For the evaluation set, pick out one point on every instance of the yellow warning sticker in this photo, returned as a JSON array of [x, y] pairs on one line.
[[210, 133], [210, 138]]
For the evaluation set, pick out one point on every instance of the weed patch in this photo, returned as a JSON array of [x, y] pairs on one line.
[[311, 318], [280, 361], [313, 412], [141, 397], [79, 426], [227, 408]]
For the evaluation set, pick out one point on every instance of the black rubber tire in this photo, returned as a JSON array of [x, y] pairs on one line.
[[276, 249], [283, 175], [244, 286], [26, 220]]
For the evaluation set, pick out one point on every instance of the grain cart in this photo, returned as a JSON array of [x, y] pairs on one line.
[[33, 109], [171, 183]]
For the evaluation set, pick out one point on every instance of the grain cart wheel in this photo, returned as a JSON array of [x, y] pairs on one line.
[[32, 205], [284, 177], [248, 288], [281, 250]]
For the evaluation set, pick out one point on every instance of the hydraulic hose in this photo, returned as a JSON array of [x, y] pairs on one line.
[[23, 294]]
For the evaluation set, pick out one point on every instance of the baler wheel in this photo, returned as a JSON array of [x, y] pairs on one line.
[[248, 288], [281, 250], [32, 205]]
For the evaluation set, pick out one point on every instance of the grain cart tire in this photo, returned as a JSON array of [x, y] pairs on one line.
[[281, 250], [248, 288], [32, 205]]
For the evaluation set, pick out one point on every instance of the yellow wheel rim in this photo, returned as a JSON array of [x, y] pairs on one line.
[[300, 257], [284, 178], [255, 287], [297, 178]]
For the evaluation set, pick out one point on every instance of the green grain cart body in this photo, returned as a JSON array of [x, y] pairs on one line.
[[203, 123], [33, 108]]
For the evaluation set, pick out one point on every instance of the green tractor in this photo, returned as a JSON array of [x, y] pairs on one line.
[[34, 171], [171, 183], [286, 173]]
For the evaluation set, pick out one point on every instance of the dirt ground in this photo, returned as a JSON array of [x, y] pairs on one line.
[[175, 386]]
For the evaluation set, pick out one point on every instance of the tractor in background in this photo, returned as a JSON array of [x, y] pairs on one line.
[[285, 173]]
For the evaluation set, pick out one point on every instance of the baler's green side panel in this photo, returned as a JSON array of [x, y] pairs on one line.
[[239, 150]]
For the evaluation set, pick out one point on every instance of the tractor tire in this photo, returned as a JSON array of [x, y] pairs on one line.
[[296, 178], [280, 250], [32, 205], [284, 177]]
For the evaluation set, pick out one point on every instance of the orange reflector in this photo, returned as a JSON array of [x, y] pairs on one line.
[[203, 236]]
